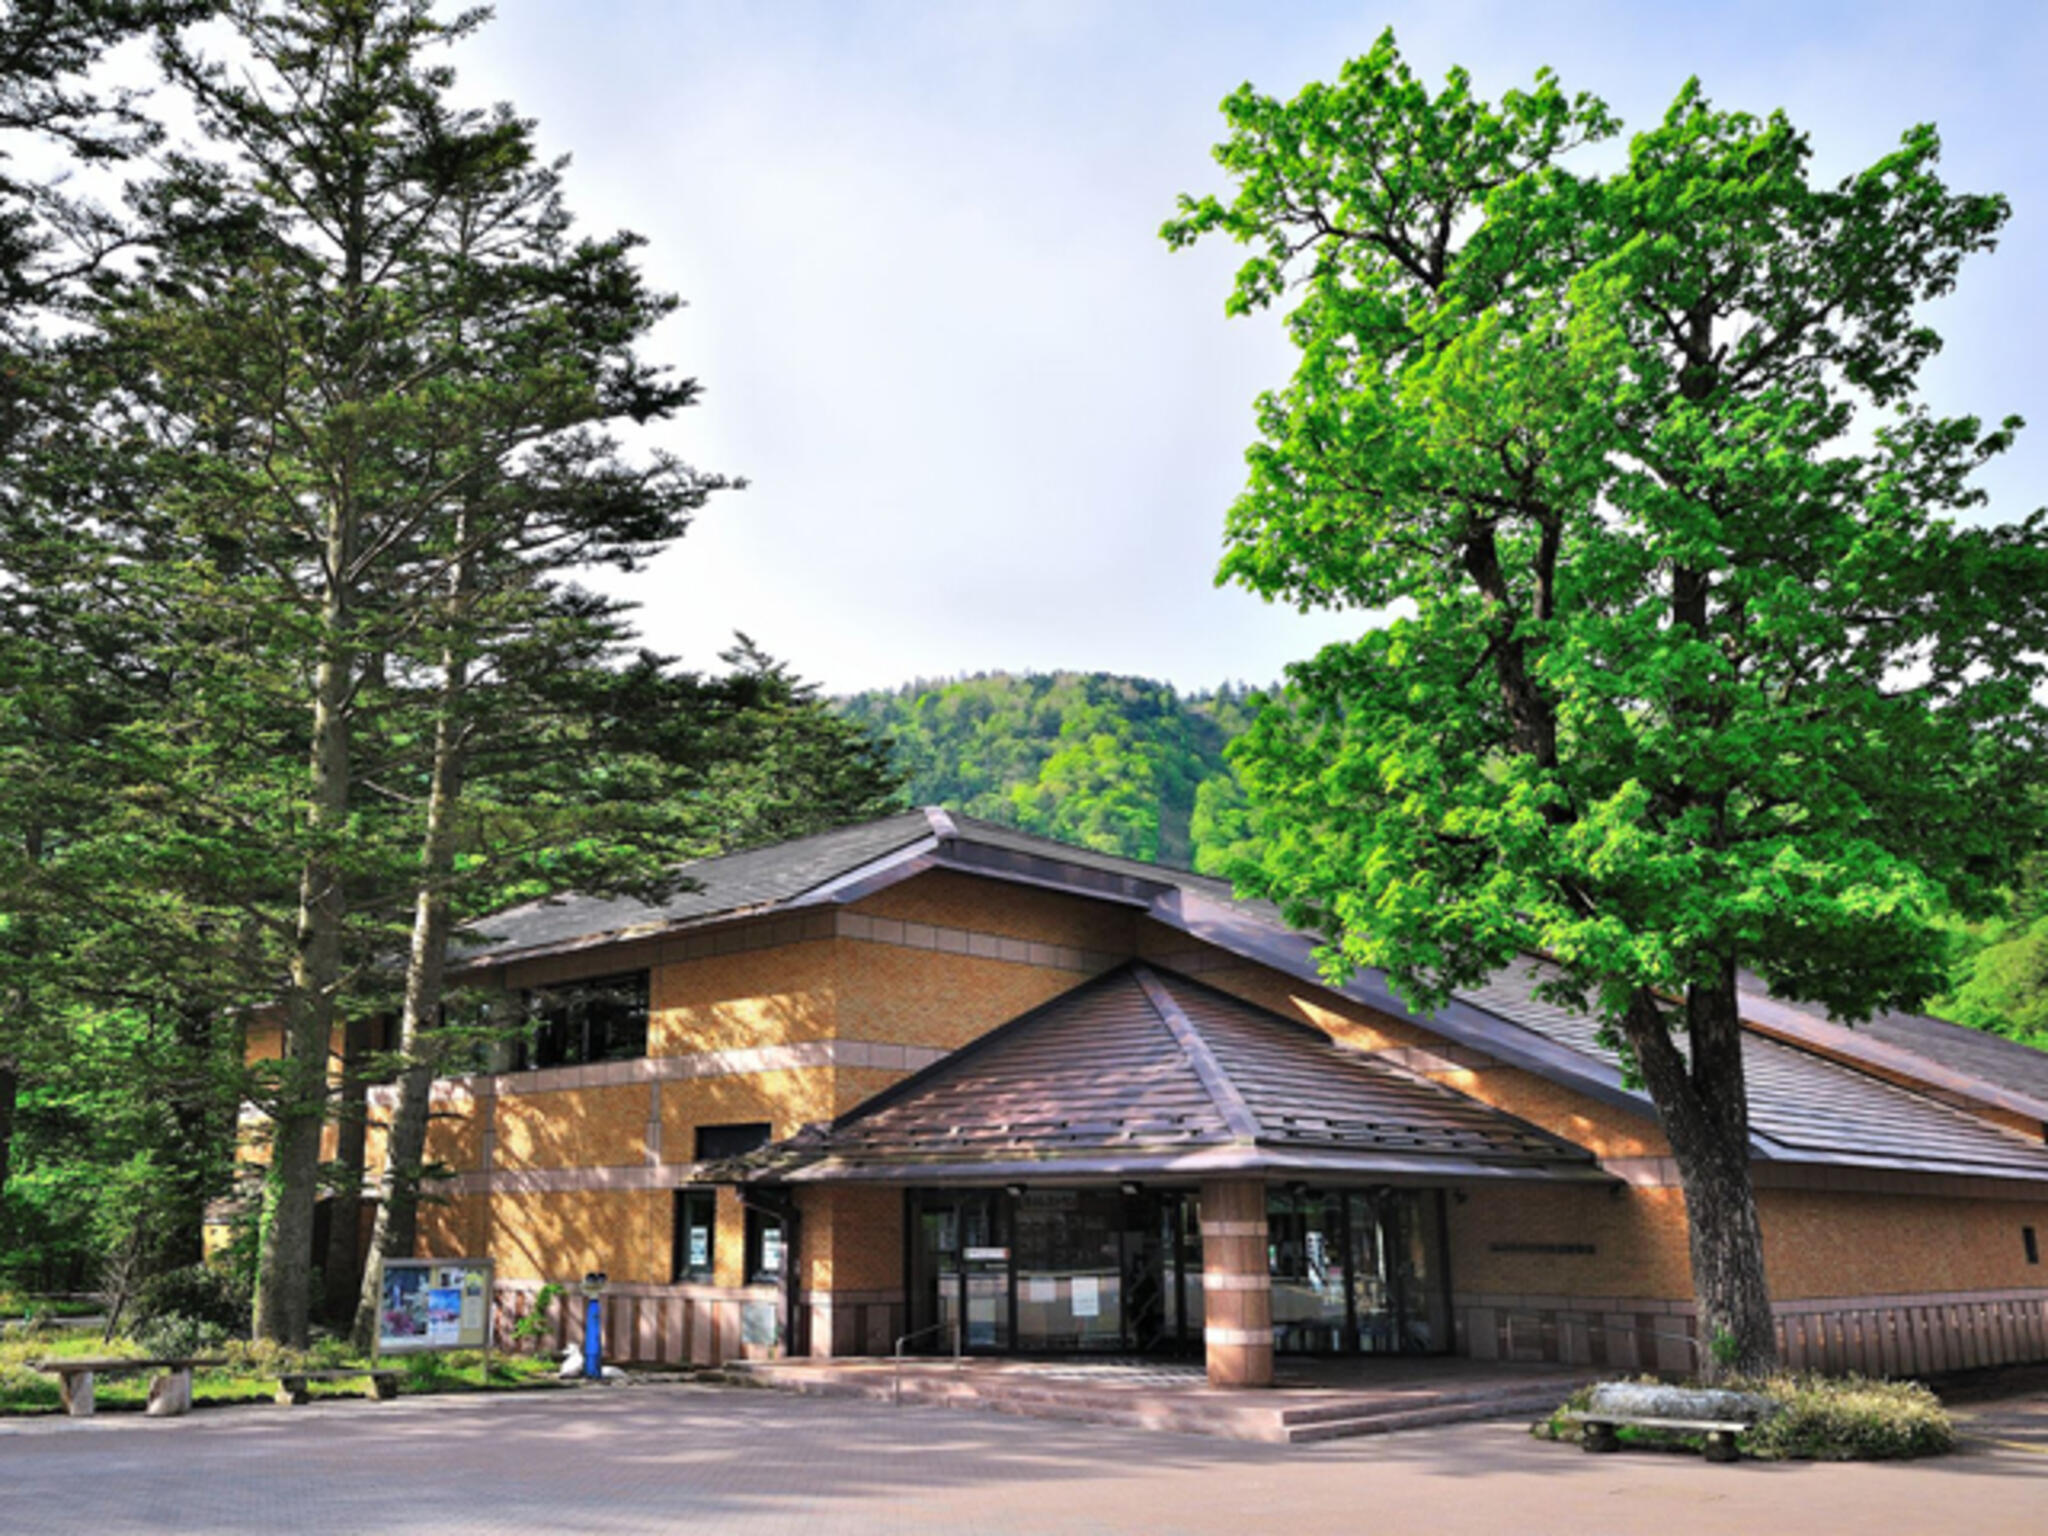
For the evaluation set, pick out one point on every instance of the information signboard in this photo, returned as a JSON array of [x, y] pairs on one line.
[[433, 1304]]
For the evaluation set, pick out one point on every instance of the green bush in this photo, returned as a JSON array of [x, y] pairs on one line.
[[1818, 1418], [199, 1293], [1850, 1418], [170, 1335]]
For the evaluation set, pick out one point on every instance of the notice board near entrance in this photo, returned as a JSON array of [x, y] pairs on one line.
[[430, 1304]]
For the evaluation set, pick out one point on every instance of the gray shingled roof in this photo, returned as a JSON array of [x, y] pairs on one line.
[[1145, 1072], [755, 879], [1972, 1052], [1804, 1106]]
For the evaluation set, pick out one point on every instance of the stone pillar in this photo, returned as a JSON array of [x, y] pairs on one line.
[[1237, 1289]]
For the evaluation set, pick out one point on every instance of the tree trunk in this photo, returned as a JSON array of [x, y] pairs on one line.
[[339, 1270], [1702, 1097], [291, 1184], [405, 1143], [10, 1092]]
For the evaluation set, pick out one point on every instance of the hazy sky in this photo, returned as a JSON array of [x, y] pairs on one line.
[[989, 420]]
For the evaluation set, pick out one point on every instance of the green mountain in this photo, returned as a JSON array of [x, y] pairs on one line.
[[1122, 764], [1131, 766]]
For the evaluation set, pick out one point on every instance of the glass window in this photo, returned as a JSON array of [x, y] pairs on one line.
[[696, 1234], [601, 1018], [767, 1247], [716, 1141], [1070, 1270], [1307, 1257]]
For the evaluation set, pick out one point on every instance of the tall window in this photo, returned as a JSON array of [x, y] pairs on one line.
[[696, 1235], [767, 1247], [599, 1018]]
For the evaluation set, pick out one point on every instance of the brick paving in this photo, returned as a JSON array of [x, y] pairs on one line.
[[701, 1459]]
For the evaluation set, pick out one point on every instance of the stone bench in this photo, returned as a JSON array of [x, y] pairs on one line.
[[170, 1393], [1719, 1416], [291, 1386]]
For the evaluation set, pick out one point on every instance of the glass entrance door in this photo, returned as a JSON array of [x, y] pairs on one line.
[[960, 1271]]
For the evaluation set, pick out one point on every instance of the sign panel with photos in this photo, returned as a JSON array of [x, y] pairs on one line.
[[433, 1304]]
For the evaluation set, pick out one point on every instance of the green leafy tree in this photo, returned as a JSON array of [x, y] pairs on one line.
[[1694, 666]]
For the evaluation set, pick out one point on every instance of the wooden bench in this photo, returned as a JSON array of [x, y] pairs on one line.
[[291, 1386], [170, 1393], [1719, 1416], [1600, 1432]]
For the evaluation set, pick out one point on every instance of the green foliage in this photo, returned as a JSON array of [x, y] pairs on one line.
[[1816, 1418], [534, 1325], [1644, 712], [171, 1334], [202, 1293], [1823, 1418], [1686, 656], [1119, 764]]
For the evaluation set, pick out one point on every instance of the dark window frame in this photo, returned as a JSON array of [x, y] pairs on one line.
[[732, 1139], [568, 1025], [704, 1198], [2032, 1244]]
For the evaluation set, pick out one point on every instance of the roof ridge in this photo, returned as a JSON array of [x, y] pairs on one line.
[[1223, 1093]]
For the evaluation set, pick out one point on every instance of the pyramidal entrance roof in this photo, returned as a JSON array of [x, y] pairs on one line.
[[1143, 1072]]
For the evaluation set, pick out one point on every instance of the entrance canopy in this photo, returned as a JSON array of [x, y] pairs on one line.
[[1146, 1073]]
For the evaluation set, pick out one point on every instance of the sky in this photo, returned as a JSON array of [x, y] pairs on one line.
[[987, 419]]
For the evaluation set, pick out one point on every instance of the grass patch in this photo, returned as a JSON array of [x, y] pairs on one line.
[[250, 1373], [1818, 1418]]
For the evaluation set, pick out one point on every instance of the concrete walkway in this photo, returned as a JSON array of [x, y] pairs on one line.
[[669, 1458]]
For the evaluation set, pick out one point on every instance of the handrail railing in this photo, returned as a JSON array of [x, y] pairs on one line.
[[896, 1388]]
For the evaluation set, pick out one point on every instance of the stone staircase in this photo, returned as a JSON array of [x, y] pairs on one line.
[[1284, 1415]]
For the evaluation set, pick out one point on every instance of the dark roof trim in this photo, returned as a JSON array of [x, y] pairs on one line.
[[964, 854], [875, 875], [1222, 1091], [1205, 1163]]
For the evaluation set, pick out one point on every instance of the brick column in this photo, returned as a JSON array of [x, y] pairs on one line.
[[1237, 1290]]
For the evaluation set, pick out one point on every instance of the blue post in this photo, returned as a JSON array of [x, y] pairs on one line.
[[593, 1326]]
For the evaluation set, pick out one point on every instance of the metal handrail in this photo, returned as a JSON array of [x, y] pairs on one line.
[[896, 1387]]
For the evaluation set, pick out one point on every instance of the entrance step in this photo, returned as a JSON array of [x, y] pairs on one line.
[[1269, 1416], [1466, 1412]]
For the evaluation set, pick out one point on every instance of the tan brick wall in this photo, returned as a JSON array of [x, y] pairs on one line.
[[1599, 1128], [853, 1238], [1831, 1243], [573, 1128], [924, 997], [455, 1133], [948, 899], [457, 1227], [788, 1100], [1638, 1237], [729, 1002], [556, 1236]]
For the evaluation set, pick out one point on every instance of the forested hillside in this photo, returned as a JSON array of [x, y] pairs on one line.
[[1131, 766], [1122, 764]]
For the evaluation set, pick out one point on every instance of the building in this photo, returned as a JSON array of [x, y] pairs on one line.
[[930, 1074]]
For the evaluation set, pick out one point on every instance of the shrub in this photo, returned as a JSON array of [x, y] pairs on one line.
[[1824, 1418], [171, 1334], [199, 1293], [1818, 1418]]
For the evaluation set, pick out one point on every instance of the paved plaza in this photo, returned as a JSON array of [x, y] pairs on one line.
[[702, 1459]]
